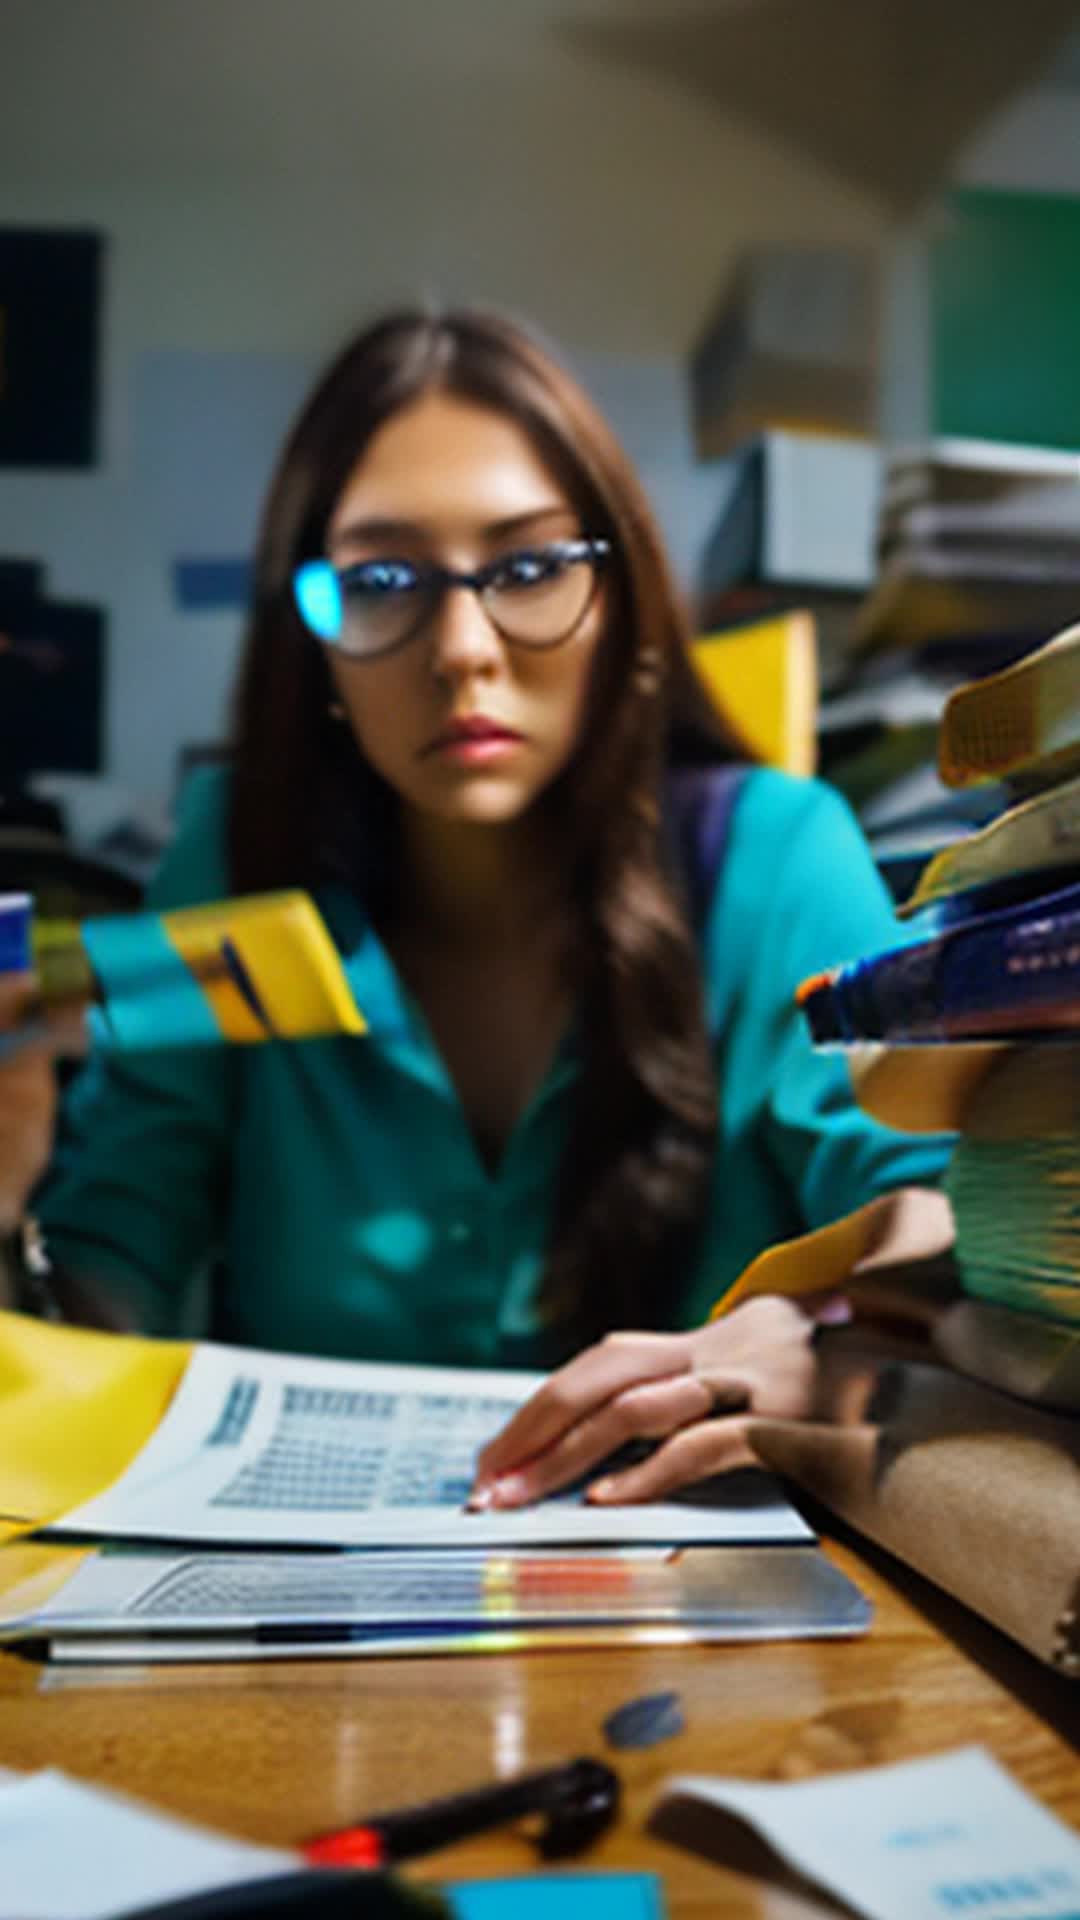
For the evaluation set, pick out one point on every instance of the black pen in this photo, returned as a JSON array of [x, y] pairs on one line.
[[577, 1801]]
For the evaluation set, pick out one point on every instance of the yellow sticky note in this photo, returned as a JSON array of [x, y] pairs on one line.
[[285, 953]]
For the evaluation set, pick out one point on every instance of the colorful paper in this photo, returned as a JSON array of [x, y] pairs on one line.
[[259, 968]]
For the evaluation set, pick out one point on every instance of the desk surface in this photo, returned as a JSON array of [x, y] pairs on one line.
[[277, 1752]]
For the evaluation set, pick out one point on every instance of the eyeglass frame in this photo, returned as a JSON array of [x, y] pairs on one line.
[[317, 595]]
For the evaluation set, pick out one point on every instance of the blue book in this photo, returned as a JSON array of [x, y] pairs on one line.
[[1010, 973]]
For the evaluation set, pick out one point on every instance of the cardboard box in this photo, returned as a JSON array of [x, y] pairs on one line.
[[793, 343]]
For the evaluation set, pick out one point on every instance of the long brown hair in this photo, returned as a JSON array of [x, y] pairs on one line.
[[303, 799]]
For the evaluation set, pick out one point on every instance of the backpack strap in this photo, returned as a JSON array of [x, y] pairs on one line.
[[699, 803]]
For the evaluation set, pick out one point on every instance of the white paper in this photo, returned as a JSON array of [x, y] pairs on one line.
[[71, 1852], [282, 1449], [411, 1586], [935, 1839]]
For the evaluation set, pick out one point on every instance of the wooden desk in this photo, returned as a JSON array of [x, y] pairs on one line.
[[277, 1752]]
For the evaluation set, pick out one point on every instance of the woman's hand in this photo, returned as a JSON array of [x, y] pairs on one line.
[[27, 1107], [693, 1393]]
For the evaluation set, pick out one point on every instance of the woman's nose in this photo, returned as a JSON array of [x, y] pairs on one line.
[[462, 638]]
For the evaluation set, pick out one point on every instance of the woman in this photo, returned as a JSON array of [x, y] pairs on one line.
[[465, 685]]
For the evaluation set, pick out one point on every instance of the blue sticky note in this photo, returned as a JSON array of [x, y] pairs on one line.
[[569, 1896]]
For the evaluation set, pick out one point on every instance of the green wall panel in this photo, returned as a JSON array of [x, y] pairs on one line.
[[1005, 318]]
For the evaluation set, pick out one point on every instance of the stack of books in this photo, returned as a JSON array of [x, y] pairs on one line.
[[994, 958], [977, 542], [978, 565]]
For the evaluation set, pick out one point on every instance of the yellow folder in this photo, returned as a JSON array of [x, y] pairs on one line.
[[764, 677], [75, 1407]]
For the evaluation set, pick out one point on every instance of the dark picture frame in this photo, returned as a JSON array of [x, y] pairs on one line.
[[50, 338]]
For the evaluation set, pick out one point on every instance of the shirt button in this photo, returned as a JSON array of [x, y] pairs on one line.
[[459, 1233]]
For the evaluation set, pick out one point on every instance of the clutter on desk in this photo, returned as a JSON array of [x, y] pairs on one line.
[[995, 957], [960, 1451], [974, 1025], [976, 570]]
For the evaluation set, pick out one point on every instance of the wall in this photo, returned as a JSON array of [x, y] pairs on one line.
[[1031, 147], [269, 172], [1034, 146]]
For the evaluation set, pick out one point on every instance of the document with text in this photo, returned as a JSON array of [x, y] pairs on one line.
[[945, 1837], [280, 1449]]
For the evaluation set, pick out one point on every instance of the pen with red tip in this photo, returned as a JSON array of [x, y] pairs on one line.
[[576, 1801]]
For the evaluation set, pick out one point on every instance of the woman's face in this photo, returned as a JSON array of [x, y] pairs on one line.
[[461, 722]]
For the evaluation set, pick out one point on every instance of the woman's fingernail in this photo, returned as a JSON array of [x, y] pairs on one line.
[[836, 1313], [601, 1490], [510, 1490], [480, 1499]]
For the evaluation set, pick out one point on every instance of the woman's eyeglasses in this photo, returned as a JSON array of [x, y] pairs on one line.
[[535, 597]]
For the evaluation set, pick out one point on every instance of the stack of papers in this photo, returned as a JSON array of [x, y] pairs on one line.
[[288, 1505], [127, 1605]]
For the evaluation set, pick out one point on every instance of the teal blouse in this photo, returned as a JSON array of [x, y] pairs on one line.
[[332, 1185]]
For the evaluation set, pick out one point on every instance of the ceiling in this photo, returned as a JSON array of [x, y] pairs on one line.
[[880, 92], [1063, 72], [884, 93]]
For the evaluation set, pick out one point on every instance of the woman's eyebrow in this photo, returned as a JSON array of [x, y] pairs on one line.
[[518, 522], [367, 533]]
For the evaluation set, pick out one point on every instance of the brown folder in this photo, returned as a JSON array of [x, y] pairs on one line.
[[977, 1490]]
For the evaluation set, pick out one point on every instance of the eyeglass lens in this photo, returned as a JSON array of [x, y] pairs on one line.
[[535, 598]]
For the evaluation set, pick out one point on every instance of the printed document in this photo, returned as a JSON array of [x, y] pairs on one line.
[[281, 1449], [941, 1838]]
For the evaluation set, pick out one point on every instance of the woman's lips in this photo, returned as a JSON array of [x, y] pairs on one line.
[[474, 741]]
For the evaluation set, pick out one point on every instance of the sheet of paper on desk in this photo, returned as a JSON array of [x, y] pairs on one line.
[[72, 1852], [279, 1449], [952, 1835]]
